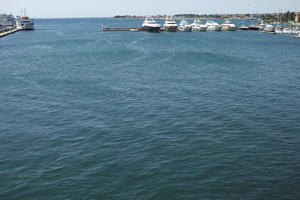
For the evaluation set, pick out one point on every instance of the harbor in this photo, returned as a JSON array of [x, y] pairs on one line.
[[150, 100], [171, 25], [9, 24]]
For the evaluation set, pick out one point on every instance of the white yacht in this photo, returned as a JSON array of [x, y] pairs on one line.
[[213, 26], [287, 31], [151, 25], [184, 26], [269, 29], [228, 26], [295, 30], [279, 30], [197, 26], [170, 25], [262, 25], [297, 36]]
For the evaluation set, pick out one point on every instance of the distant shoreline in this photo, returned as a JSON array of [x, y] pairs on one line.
[[268, 17]]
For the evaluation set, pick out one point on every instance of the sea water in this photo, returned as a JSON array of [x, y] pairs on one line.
[[86, 114]]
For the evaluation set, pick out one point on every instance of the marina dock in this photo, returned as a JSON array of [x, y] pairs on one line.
[[104, 28], [5, 33]]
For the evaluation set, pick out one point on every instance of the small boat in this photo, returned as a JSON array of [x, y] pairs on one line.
[[150, 25], [253, 27], [170, 25], [269, 29], [213, 26], [197, 26], [228, 26], [287, 31], [184, 26], [296, 30], [245, 28], [262, 25], [297, 36], [279, 30]]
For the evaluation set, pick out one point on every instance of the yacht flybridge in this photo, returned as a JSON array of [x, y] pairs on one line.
[[151, 25], [170, 25]]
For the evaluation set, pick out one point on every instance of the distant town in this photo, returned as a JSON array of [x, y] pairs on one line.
[[267, 17]]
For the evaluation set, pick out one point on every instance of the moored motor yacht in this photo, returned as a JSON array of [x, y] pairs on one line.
[[269, 28], [287, 31], [184, 26], [228, 26], [253, 27], [151, 25], [244, 28], [297, 36], [170, 25], [296, 30], [197, 26], [279, 30], [262, 25], [213, 26]]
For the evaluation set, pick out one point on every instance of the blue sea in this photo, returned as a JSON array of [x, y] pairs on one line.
[[86, 114]]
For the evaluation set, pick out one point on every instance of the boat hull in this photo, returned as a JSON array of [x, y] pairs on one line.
[[199, 28], [26, 25], [244, 28], [214, 28], [170, 28], [228, 28], [185, 28], [253, 28], [151, 29]]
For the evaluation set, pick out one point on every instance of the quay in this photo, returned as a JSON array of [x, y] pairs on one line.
[[104, 28], [8, 32]]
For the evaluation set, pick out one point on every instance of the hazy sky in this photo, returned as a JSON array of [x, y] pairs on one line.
[[107, 8]]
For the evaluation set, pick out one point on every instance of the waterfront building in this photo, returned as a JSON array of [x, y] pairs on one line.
[[297, 17]]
